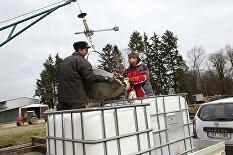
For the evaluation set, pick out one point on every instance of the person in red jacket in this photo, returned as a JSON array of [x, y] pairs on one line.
[[138, 76]]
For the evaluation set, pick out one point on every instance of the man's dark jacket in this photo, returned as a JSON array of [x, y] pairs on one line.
[[74, 73]]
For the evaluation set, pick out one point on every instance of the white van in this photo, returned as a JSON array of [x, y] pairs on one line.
[[214, 121]]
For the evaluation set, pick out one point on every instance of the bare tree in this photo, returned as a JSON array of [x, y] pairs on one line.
[[229, 52], [196, 57], [219, 63], [212, 82]]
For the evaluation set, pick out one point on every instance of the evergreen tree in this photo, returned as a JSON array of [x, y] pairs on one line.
[[58, 61], [155, 59], [106, 58], [111, 59], [147, 50], [117, 60], [136, 42], [147, 44], [46, 86], [173, 62], [151, 52]]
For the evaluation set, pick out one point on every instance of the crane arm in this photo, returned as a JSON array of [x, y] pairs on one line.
[[41, 15]]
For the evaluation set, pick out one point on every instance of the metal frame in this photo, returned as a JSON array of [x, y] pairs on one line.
[[104, 139], [124, 104], [42, 15], [166, 129]]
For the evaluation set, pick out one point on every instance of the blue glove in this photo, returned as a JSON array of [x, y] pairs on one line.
[[109, 79]]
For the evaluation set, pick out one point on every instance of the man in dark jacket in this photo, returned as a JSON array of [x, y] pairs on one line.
[[138, 76], [74, 73]]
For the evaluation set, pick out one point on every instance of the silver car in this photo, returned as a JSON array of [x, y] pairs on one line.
[[214, 120]]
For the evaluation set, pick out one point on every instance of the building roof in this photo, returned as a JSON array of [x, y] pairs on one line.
[[17, 99], [17, 103], [35, 105]]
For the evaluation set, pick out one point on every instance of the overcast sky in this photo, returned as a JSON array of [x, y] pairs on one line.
[[195, 22]]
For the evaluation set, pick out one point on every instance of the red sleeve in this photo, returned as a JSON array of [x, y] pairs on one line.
[[138, 79], [142, 77]]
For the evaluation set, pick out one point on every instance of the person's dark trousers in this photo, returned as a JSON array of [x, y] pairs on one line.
[[68, 106]]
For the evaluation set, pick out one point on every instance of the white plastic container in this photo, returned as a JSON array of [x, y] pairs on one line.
[[169, 116], [162, 128], [99, 131]]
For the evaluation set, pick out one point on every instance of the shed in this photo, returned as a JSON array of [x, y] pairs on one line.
[[9, 109], [38, 108]]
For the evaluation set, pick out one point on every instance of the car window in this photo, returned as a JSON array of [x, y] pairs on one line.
[[216, 112]]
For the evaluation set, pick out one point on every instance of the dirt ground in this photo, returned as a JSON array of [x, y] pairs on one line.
[[13, 124], [33, 153], [11, 134]]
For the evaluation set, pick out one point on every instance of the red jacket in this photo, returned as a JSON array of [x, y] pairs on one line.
[[139, 80]]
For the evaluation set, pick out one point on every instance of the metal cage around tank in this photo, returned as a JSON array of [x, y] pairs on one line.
[[104, 139], [165, 132]]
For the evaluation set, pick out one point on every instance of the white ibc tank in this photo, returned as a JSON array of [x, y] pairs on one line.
[[169, 115], [100, 131]]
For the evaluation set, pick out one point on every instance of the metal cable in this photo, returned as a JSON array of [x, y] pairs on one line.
[[31, 12], [79, 7]]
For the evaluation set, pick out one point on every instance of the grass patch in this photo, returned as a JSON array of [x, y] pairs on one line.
[[19, 135]]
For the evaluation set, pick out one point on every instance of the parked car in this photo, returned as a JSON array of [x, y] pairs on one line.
[[214, 120]]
